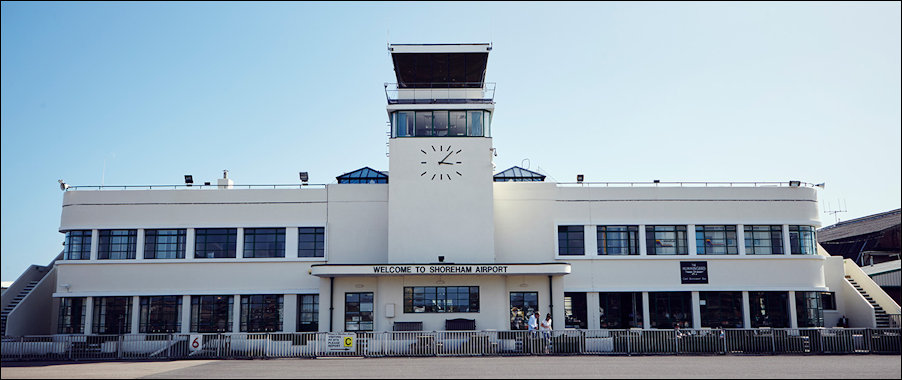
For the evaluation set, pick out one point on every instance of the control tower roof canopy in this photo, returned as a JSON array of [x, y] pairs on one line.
[[440, 65]]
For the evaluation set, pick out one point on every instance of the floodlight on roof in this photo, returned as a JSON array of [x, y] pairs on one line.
[[794, 183], [579, 178], [303, 176], [189, 179]]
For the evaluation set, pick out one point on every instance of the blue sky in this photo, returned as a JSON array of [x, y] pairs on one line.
[[143, 93]]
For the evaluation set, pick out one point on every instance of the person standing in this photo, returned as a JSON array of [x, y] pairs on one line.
[[546, 332], [533, 323]]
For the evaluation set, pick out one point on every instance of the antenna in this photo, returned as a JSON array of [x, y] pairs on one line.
[[525, 163], [835, 212]]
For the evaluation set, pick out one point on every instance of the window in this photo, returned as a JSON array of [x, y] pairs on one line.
[[763, 240], [160, 314], [570, 241], [769, 309], [117, 244], [308, 312], [716, 240], [424, 124], [523, 304], [440, 123], [666, 240], [112, 315], [264, 242], [457, 123], [211, 314], [475, 123], [575, 310], [441, 299], [216, 243], [359, 311], [618, 240], [809, 310], [668, 310], [164, 244], [801, 240], [72, 315], [721, 309], [620, 310], [404, 123], [78, 245], [828, 300], [311, 242], [261, 313]]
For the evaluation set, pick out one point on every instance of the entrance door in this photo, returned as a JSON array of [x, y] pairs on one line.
[[523, 304]]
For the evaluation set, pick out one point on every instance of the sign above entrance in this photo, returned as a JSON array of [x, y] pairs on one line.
[[326, 270]]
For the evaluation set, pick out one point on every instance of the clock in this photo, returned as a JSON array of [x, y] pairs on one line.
[[440, 163]]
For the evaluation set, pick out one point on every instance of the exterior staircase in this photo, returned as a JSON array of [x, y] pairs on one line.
[[9, 308], [883, 319]]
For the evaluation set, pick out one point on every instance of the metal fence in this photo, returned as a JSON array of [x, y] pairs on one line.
[[453, 343]]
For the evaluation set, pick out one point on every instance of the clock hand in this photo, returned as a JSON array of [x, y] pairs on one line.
[[446, 157]]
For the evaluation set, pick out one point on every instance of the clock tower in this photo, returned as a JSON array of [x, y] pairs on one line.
[[440, 155]]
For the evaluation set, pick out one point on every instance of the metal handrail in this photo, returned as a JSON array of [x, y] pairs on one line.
[[184, 186], [453, 92], [686, 184]]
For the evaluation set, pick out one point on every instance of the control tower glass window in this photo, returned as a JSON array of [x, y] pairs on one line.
[[457, 123], [424, 124], [440, 123]]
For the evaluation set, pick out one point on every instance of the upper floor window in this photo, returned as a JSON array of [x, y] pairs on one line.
[[716, 240], [117, 244], [264, 242], [77, 245], [666, 240], [439, 123], [570, 240], [164, 244], [311, 242], [618, 240], [216, 243], [763, 240], [801, 240]]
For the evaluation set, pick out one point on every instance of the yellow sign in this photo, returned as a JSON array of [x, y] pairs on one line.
[[349, 341]]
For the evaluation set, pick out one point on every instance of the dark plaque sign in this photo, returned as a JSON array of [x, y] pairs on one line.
[[694, 272]]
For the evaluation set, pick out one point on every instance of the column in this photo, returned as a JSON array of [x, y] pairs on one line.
[[95, 243], [643, 250], [189, 244], [291, 242], [793, 320], [740, 239], [89, 312], [746, 312], [186, 314], [690, 237], [139, 243], [787, 248], [590, 240], [696, 311], [289, 312], [236, 309], [646, 312], [325, 303], [239, 250], [592, 305], [136, 312]]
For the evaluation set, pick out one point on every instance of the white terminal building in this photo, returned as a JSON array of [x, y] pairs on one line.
[[441, 241]]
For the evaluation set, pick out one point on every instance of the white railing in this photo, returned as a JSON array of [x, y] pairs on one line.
[[688, 184], [194, 186], [453, 343]]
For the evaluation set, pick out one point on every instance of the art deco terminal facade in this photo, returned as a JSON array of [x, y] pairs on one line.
[[439, 241]]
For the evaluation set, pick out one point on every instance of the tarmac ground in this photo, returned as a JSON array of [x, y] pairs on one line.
[[822, 367]]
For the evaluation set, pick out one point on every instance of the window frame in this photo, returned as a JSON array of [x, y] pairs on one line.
[[632, 240], [570, 231], [313, 314], [254, 249], [214, 304], [802, 238], [262, 313], [317, 232], [681, 238], [439, 305], [84, 246], [231, 242], [150, 310], [775, 234], [359, 312], [69, 319], [701, 247], [152, 243], [107, 307], [110, 246]]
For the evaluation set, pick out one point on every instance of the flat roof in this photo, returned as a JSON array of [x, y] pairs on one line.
[[440, 48], [440, 65]]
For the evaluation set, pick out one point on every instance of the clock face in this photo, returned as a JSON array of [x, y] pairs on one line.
[[440, 163]]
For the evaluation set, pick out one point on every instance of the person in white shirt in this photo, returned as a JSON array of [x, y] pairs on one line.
[[533, 323], [546, 332]]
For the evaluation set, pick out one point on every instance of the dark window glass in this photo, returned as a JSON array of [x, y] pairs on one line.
[[112, 315], [441, 299], [72, 315], [769, 309], [211, 314], [311, 242], [261, 313], [716, 240], [666, 240], [575, 310], [457, 123], [763, 240], [216, 243], [809, 310], [523, 304], [440, 123], [618, 240], [801, 240], [668, 310], [620, 310], [424, 124], [828, 300], [721, 309], [77, 245], [164, 244], [117, 244], [160, 314], [359, 311], [570, 240], [308, 312], [264, 242]]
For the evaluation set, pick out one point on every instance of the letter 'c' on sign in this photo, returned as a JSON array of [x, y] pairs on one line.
[[349, 341]]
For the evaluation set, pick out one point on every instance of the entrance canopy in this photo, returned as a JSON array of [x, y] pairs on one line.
[[337, 270]]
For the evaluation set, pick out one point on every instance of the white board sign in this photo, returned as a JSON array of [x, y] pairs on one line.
[[195, 342], [341, 342]]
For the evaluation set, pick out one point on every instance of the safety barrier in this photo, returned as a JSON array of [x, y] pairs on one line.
[[453, 343]]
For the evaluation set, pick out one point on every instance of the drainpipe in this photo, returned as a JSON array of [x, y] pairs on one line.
[[331, 301], [550, 299]]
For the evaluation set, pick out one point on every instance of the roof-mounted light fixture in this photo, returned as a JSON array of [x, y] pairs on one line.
[[63, 185], [304, 177], [189, 179], [821, 185], [795, 183], [579, 178]]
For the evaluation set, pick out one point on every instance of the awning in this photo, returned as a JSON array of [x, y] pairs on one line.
[[480, 269]]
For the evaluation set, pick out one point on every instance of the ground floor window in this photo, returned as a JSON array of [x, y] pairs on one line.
[[211, 314], [668, 310], [828, 300], [441, 299], [523, 304], [112, 315], [620, 310], [261, 313], [575, 311], [160, 314], [720, 309], [308, 312], [809, 309], [359, 311], [72, 315], [769, 309]]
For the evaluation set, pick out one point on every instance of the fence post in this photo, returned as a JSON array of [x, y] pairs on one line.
[[119, 347], [773, 342], [628, 339], [21, 347], [169, 346], [69, 341]]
